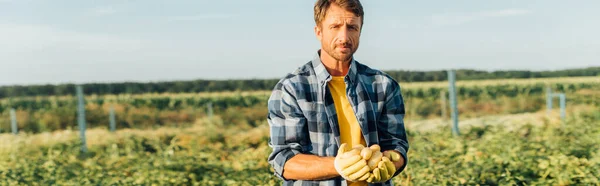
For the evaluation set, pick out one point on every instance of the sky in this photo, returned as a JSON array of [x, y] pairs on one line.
[[84, 41]]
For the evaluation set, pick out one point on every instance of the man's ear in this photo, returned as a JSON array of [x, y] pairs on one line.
[[318, 32]]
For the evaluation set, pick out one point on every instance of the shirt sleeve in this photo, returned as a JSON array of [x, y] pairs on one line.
[[391, 131], [287, 124]]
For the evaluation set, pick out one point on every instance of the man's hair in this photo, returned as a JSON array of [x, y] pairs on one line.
[[353, 6]]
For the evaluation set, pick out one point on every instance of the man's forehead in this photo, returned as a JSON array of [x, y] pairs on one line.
[[342, 15], [347, 17]]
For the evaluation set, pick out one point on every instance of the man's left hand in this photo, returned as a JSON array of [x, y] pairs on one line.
[[386, 167], [396, 158]]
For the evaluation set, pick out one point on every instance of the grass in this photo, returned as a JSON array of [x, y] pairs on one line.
[[537, 151]]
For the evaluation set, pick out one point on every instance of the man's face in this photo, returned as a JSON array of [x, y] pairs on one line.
[[339, 33]]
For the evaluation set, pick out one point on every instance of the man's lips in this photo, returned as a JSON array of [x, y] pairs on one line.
[[344, 48]]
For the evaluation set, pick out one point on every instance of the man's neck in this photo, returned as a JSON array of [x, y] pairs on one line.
[[333, 66]]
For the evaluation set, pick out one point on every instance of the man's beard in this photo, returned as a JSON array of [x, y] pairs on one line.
[[338, 56]]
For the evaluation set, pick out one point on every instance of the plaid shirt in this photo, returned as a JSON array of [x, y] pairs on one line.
[[302, 115]]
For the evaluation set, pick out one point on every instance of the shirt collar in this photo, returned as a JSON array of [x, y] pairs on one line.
[[323, 76]]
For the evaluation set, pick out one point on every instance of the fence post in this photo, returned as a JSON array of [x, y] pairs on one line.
[[563, 109], [81, 117], [453, 101], [112, 119], [548, 99], [13, 121], [209, 109], [443, 104]]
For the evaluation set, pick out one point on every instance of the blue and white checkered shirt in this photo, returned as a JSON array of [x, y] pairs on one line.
[[302, 115]]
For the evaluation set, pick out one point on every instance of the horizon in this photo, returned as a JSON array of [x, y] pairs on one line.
[[114, 41], [236, 79]]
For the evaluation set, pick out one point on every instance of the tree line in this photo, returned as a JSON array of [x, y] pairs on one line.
[[267, 84]]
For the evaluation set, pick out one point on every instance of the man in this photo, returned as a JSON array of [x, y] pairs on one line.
[[334, 100]]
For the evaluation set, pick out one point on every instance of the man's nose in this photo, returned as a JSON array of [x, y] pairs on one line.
[[343, 35]]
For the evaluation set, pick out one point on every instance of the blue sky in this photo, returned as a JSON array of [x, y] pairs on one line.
[[59, 41]]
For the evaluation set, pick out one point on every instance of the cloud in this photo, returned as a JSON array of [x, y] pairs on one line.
[[457, 19], [25, 38], [45, 54], [102, 11], [199, 17], [506, 13]]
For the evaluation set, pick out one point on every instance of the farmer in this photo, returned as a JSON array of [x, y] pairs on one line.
[[335, 121]]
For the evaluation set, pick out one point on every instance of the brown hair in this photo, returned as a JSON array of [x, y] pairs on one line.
[[353, 6]]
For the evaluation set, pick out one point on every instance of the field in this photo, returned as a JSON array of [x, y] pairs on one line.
[[166, 139]]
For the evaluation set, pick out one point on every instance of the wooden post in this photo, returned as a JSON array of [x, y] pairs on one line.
[[13, 121], [453, 101], [81, 117]]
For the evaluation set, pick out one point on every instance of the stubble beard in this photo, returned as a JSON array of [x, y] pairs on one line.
[[338, 56]]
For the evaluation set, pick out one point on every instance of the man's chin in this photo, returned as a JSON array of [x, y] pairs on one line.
[[340, 56], [344, 57]]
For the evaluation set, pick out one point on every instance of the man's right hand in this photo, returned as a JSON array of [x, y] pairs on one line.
[[351, 165]]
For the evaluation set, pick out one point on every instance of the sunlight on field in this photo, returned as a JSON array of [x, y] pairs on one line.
[[509, 149], [507, 138], [495, 82], [509, 122]]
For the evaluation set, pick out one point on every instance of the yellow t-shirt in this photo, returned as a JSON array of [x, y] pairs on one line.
[[350, 132]]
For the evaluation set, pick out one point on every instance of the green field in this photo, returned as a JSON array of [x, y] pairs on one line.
[[167, 139], [143, 111]]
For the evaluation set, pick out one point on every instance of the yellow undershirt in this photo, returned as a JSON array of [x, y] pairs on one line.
[[350, 132]]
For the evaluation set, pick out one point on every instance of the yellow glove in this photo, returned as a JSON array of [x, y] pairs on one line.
[[381, 164], [392, 155], [351, 165], [375, 159], [373, 164], [384, 171]]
